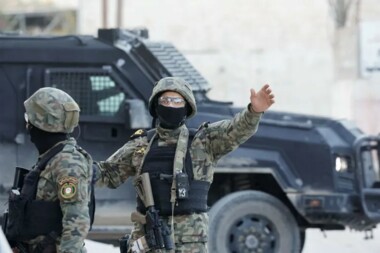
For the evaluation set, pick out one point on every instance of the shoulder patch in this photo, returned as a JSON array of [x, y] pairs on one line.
[[68, 187], [138, 133]]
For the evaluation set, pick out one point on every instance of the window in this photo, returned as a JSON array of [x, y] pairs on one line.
[[95, 91], [370, 160], [109, 103]]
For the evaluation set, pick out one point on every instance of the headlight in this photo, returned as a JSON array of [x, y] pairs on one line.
[[341, 164]]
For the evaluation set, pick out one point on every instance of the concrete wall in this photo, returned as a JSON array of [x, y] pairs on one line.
[[242, 44], [294, 45]]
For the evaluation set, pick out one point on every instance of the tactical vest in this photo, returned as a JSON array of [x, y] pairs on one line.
[[159, 164], [28, 217]]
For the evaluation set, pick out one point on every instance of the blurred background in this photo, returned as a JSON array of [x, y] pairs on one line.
[[321, 57]]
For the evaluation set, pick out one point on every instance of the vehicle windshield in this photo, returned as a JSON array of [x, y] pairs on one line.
[[370, 160]]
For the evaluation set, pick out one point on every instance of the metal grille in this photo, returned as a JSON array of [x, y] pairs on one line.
[[177, 64], [95, 91]]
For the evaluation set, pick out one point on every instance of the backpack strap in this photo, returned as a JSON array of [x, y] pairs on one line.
[[150, 134], [29, 188], [46, 158], [92, 205]]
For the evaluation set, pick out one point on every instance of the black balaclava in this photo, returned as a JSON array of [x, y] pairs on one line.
[[171, 117], [44, 140]]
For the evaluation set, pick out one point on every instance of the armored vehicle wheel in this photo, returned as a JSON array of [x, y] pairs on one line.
[[252, 221]]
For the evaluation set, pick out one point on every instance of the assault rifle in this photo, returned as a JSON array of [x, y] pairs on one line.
[[15, 192], [157, 232], [16, 189]]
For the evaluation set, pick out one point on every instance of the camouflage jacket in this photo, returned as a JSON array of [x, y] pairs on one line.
[[67, 177], [208, 146]]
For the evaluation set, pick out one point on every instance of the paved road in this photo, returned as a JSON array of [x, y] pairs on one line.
[[341, 241], [334, 242]]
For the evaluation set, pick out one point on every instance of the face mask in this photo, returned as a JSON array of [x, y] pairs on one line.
[[44, 140], [171, 117], [32, 131]]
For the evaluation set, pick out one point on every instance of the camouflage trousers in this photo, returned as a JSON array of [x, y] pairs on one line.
[[190, 234]]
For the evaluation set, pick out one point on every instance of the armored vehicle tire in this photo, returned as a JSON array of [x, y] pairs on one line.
[[252, 221]]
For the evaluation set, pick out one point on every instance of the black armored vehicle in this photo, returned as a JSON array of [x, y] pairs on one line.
[[297, 172]]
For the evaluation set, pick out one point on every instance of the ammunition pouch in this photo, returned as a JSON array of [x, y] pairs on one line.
[[191, 194], [16, 210], [46, 248], [195, 203], [47, 245], [21, 247], [28, 219]]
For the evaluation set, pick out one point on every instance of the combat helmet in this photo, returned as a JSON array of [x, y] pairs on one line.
[[52, 110], [176, 84]]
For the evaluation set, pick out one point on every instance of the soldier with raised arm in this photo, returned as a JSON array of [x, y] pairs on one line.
[[180, 162]]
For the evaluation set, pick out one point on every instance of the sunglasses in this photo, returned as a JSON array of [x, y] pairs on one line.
[[173, 101]]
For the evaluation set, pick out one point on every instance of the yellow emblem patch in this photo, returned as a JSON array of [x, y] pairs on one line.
[[68, 187], [140, 151], [139, 132]]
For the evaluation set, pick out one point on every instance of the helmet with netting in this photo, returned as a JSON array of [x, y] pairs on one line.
[[52, 110], [173, 84]]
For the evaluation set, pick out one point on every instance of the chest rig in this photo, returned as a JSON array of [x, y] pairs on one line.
[[165, 163], [28, 217]]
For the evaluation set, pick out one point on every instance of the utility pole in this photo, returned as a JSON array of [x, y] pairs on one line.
[[105, 13], [119, 16]]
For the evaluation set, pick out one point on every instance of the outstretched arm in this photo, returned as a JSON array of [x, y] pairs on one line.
[[117, 168], [226, 135]]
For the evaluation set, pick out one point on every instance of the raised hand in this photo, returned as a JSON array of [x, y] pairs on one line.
[[261, 100]]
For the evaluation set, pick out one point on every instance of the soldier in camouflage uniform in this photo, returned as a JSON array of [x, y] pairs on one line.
[[172, 102], [51, 115]]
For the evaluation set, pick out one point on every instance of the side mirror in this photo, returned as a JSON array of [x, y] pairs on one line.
[[137, 114]]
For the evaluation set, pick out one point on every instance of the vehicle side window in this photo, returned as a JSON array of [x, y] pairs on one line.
[[108, 97], [95, 91]]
